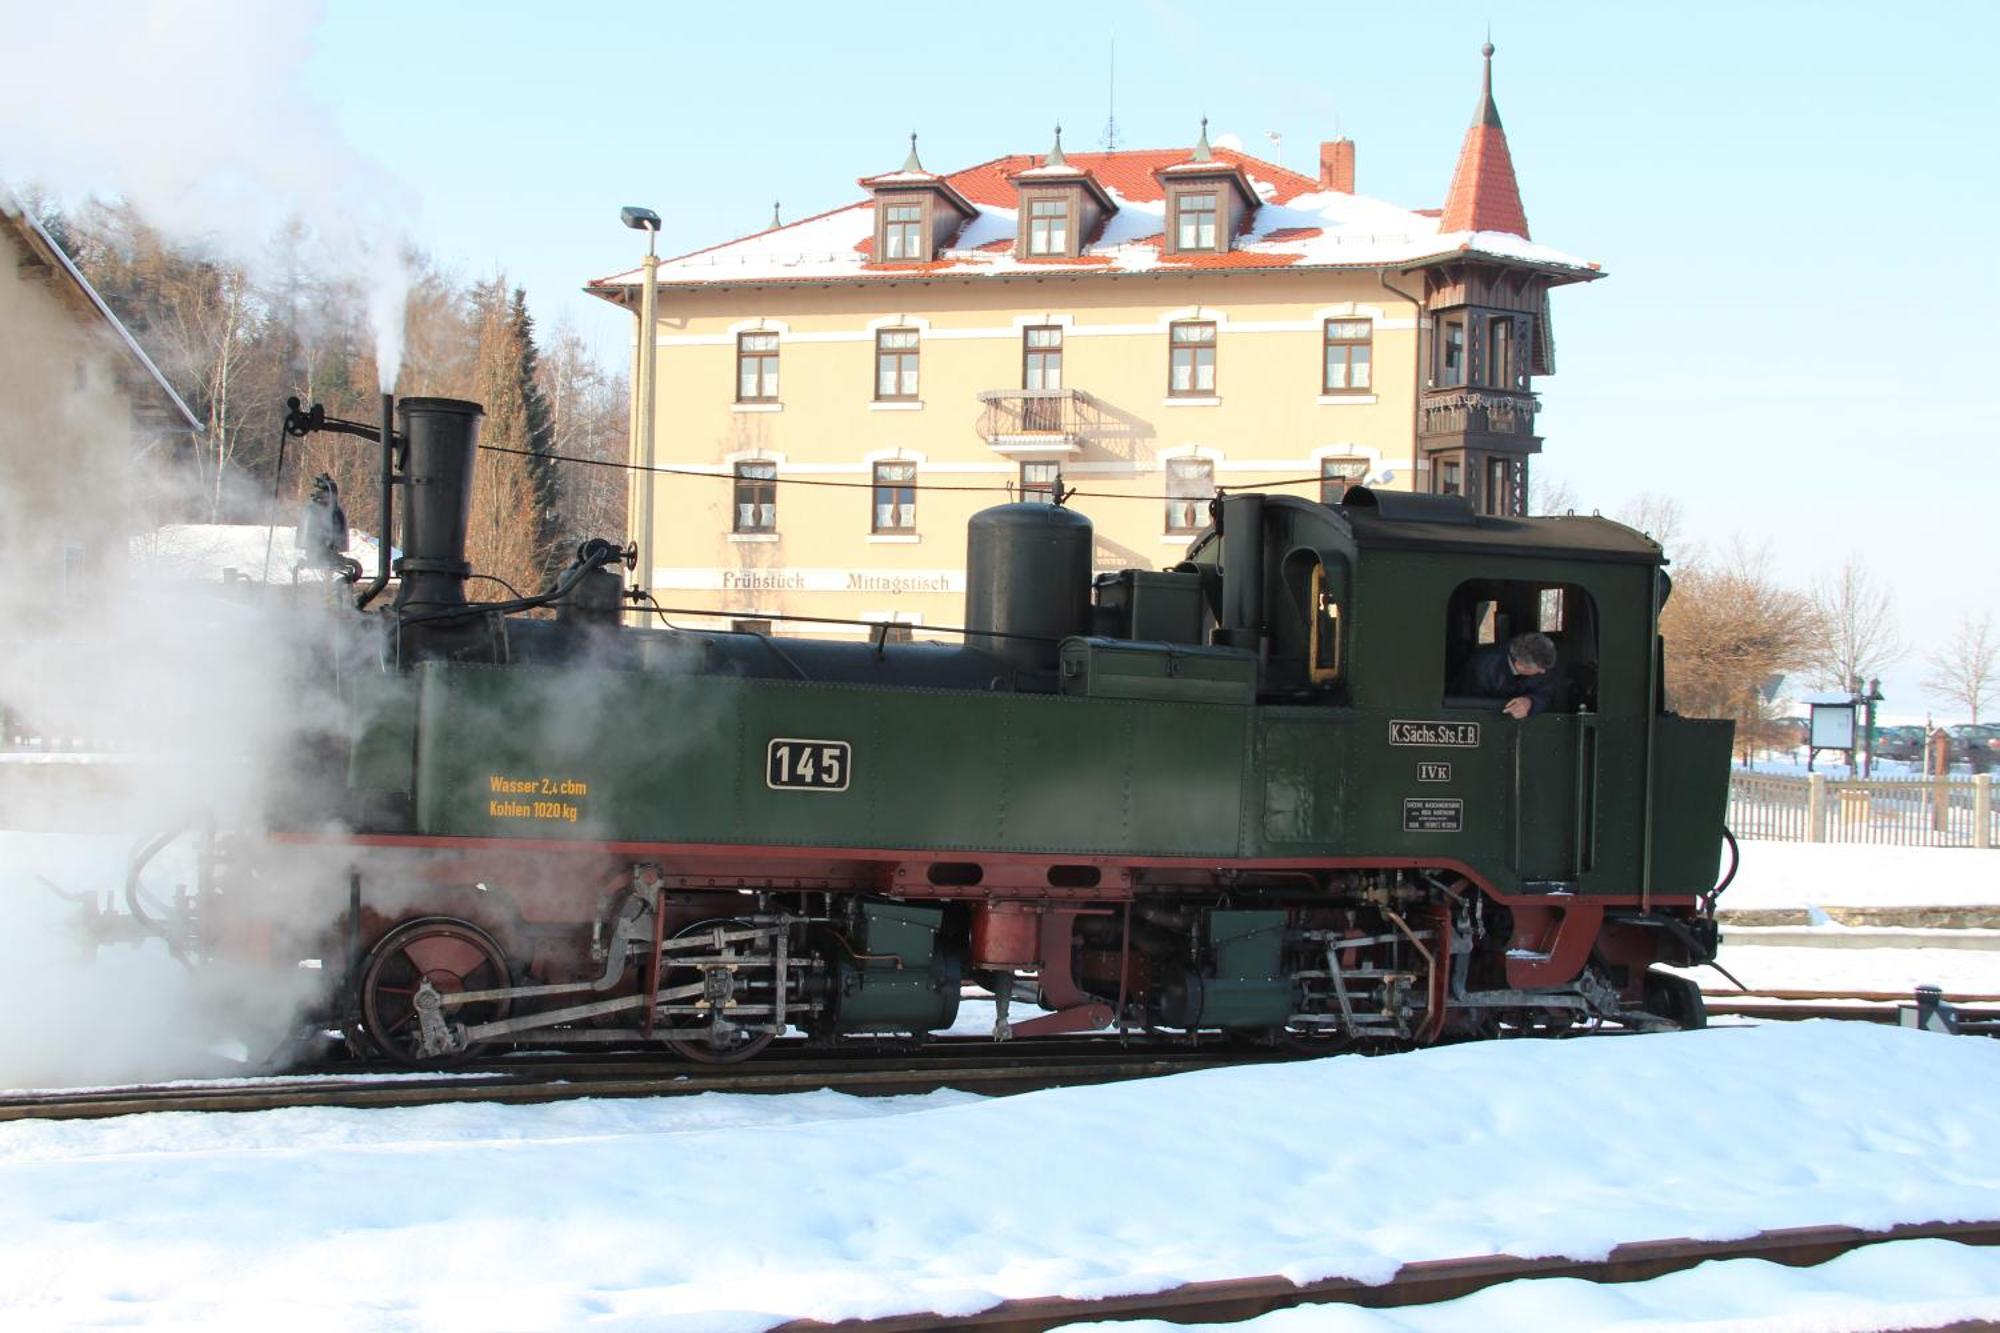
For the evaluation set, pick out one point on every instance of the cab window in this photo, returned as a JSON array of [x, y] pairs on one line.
[[1486, 614]]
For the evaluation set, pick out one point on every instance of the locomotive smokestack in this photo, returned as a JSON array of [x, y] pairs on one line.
[[442, 437]]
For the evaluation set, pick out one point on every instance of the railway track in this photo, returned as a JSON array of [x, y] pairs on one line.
[[968, 1064], [1973, 1014], [974, 1067], [1425, 1283]]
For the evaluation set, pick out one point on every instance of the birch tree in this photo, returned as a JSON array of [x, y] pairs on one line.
[[1965, 671], [1854, 630]]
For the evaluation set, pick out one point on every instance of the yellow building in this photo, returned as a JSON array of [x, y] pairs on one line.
[[1132, 330]]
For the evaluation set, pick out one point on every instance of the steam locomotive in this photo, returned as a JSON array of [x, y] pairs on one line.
[[1236, 796]]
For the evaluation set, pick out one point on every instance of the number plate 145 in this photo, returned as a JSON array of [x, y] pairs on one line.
[[791, 764]]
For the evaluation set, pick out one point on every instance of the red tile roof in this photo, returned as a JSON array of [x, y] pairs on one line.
[[1128, 171], [1484, 194]]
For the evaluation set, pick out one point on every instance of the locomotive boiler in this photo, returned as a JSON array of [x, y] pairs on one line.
[[1236, 796]]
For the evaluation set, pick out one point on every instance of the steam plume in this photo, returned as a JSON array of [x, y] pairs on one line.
[[196, 112]]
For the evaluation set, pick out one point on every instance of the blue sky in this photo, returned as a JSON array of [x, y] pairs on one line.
[[1794, 202]]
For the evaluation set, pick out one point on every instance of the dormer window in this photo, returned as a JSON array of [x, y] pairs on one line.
[[903, 231], [917, 212], [1048, 226], [1194, 221], [1061, 207], [1209, 200]]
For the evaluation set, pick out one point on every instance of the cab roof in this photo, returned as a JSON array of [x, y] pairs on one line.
[[1401, 520]]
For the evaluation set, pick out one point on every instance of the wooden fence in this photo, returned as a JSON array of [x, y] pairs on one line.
[[1903, 812]]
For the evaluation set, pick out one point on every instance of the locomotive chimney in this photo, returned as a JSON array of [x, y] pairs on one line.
[[441, 435]]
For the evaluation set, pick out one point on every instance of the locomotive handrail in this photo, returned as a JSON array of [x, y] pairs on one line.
[[591, 556]]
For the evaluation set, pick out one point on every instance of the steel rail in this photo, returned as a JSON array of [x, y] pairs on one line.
[[553, 1084], [1877, 996], [1423, 1283]]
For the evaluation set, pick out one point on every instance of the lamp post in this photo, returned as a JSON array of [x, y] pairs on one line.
[[1868, 698], [641, 508]]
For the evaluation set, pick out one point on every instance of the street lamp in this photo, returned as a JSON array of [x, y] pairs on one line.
[[1869, 698], [641, 508]]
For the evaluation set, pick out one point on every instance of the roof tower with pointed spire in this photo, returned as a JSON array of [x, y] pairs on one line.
[[1484, 195]]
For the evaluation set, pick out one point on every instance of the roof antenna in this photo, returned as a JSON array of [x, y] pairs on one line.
[[1111, 102]]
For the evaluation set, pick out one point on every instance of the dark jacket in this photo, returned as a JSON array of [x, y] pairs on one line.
[[1489, 675]]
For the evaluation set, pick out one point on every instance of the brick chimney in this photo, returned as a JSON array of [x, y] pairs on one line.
[[1336, 165]]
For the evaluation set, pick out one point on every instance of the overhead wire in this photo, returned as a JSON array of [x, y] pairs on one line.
[[660, 470]]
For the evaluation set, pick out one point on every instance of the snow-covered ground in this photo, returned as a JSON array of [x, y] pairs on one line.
[[730, 1212], [1803, 874]]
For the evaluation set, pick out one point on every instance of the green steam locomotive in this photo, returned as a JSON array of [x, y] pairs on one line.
[[1243, 795]]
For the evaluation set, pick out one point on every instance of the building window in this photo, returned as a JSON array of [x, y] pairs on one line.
[[1191, 370], [762, 627], [1337, 475], [895, 497], [1451, 353], [1041, 483], [1500, 354], [1450, 478], [1190, 486], [756, 367], [896, 364], [1048, 226], [756, 497], [902, 231], [1349, 352], [1041, 358], [1499, 495], [1194, 216], [1041, 371]]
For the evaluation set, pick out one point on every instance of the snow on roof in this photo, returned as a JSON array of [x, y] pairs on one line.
[[256, 552], [1299, 226]]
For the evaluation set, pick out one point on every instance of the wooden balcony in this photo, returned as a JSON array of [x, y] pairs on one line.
[[1490, 419], [1039, 423]]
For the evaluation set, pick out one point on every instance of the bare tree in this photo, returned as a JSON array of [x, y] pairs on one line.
[[1855, 631], [206, 325], [1730, 629], [1661, 518], [1965, 670], [589, 416], [1550, 495]]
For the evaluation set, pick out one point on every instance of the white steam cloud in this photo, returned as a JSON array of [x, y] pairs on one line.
[[197, 113]]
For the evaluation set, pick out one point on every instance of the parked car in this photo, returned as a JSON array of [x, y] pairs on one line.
[[1976, 743], [1904, 743]]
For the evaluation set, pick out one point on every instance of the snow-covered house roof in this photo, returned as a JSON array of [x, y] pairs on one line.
[[141, 373], [1299, 224]]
